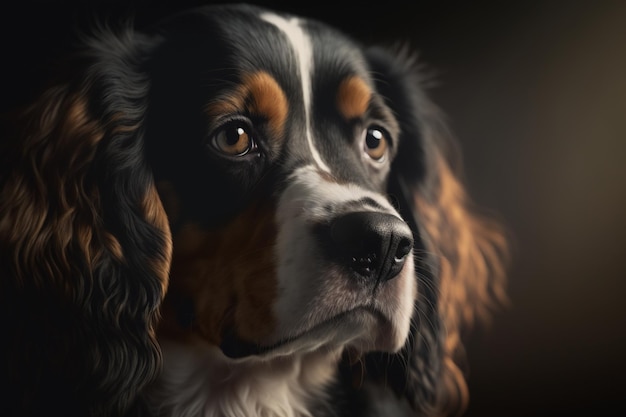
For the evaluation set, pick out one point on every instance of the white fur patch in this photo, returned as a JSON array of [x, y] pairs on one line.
[[303, 50], [307, 296], [199, 381]]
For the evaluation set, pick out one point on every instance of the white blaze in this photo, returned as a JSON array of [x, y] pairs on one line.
[[303, 50]]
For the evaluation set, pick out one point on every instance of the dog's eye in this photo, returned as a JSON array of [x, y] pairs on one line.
[[375, 144], [234, 139]]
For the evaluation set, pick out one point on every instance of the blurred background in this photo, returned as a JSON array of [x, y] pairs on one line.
[[535, 91]]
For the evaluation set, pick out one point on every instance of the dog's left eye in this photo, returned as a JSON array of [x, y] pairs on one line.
[[376, 143], [234, 139]]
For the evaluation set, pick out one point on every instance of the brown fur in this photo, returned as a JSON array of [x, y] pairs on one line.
[[471, 250], [228, 274], [258, 94], [353, 97]]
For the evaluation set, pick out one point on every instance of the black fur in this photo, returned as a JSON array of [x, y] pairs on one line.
[[78, 328]]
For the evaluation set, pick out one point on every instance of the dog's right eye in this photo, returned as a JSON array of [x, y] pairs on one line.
[[234, 139], [375, 143]]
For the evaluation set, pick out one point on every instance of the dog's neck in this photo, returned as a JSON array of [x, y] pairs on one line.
[[201, 381]]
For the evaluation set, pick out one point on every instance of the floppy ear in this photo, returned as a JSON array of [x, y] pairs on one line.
[[85, 243], [460, 254]]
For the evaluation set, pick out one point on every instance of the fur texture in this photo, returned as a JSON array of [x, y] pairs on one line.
[[237, 213]]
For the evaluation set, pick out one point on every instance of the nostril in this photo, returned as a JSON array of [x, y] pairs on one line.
[[404, 247], [400, 246], [364, 265]]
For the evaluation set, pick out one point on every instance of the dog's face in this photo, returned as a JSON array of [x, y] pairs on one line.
[[275, 147]]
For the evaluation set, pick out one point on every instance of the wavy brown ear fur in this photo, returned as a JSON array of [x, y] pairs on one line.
[[471, 249], [460, 254], [85, 245]]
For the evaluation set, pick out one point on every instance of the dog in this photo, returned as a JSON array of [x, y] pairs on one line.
[[238, 212]]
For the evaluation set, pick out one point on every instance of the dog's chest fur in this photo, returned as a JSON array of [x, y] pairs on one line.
[[203, 382]]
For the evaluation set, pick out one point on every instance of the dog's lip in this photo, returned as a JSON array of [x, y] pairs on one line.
[[236, 348]]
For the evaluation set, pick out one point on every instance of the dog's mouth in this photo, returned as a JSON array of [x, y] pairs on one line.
[[362, 328]]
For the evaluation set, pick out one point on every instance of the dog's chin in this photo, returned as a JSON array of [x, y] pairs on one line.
[[361, 329]]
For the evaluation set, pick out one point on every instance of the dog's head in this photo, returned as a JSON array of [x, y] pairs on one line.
[[308, 190], [275, 148]]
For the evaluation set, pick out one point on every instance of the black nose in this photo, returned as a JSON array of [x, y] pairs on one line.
[[375, 245]]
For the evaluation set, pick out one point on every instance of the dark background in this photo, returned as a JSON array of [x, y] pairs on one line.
[[536, 94]]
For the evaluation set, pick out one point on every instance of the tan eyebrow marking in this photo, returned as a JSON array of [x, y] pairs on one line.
[[353, 97], [258, 94]]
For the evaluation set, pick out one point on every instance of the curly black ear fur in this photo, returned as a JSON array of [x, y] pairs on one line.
[[85, 245], [459, 253]]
